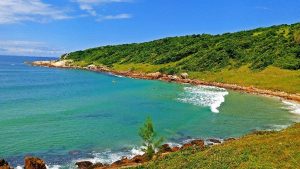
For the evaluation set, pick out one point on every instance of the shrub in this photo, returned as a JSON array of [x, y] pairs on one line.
[[150, 141]]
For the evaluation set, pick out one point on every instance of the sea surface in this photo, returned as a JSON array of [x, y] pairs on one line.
[[66, 115]]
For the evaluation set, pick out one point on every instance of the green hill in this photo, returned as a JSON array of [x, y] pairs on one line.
[[266, 58]]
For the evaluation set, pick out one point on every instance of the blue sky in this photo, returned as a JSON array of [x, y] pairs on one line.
[[53, 27]]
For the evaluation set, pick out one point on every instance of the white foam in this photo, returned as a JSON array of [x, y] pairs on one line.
[[292, 106], [209, 96], [108, 157], [53, 166], [278, 127], [19, 167]]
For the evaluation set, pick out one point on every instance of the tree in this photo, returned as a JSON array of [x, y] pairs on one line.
[[150, 141]]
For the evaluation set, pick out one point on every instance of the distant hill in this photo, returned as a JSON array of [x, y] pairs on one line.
[[277, 45], [267, 58]]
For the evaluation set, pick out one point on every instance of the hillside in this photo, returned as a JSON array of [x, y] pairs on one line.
[[267, 58], [258, 150]]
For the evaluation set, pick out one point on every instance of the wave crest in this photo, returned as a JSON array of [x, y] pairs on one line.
[[292, 106], [209, 96]]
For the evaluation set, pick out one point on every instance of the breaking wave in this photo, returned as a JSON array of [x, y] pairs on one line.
[[292, 106], [208, 96]]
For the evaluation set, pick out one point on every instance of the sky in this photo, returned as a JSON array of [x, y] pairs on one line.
[[54, 27]]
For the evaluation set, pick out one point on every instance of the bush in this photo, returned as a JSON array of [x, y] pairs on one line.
[[169, 70]]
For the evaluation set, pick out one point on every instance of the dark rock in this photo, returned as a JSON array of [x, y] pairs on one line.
[[139, 159], [199, 143], [165, 148], [4, 164], [174, 149], [186, 146], [83, 164], [34, 163], [97, 165], [216, 141], [121, 162], [230, 139]]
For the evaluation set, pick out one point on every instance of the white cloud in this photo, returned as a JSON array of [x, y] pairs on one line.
[[90, 7], [16, 11], [114, 17], [30, 48]]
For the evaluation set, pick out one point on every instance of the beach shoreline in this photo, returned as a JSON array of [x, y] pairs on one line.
[[169, 78]]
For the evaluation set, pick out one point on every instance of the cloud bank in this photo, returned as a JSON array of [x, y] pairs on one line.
[[29, 48], [16, 11]]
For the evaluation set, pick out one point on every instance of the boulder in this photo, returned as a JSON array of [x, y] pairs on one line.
[[194, 143], [165, 148], [174, 149], [173, 77], [98, 166], [215, 141], [34, 163], [199, 143], [155, 75], [92, 67], [230, 139], [139, 159], [83, 164], [4, 164], [186, 146], [124, 161], [184, 75]]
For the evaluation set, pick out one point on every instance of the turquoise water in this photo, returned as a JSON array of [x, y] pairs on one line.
[[64, 115]]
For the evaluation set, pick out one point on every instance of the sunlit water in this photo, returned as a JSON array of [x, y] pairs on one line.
[[65, 115]]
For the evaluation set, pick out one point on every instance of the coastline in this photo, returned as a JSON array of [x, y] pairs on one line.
[[168, 78]]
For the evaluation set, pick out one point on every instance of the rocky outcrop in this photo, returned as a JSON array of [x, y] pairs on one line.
[[34, 163], [98, 166], [139, 159], [198, 143], [194, 144], [215, 141], [155, 75], [83, 164], [184, 75], [229, 139], [4, 164], [165, 148]]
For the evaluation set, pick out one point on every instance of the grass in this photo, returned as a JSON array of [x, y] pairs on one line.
[[258, 150], [271, 78]]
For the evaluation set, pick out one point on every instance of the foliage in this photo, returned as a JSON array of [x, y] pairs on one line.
[[148, 135], [258, 48], [169, 70], [257, 150]]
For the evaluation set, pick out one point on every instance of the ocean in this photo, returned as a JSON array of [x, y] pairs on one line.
[[64, 115]]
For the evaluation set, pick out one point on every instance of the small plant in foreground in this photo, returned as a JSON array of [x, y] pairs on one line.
[[150, 141]]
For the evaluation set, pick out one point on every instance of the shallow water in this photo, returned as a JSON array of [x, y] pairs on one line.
[[64, 115]]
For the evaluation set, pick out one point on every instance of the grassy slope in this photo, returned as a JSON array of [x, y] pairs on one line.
[[268, 150], [271, 78], [266, 58]]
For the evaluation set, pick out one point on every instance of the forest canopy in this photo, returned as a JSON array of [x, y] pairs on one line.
[[278, 46]]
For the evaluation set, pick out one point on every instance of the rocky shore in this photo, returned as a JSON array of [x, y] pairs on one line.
[[182, 78], [165, 149]]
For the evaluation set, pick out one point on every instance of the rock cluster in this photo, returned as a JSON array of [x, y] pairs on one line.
[[34, 163], [29, 163], [4, 164]]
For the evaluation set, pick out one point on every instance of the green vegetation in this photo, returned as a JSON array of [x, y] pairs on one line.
[[148, 135], [257, 150], [253, 51]]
